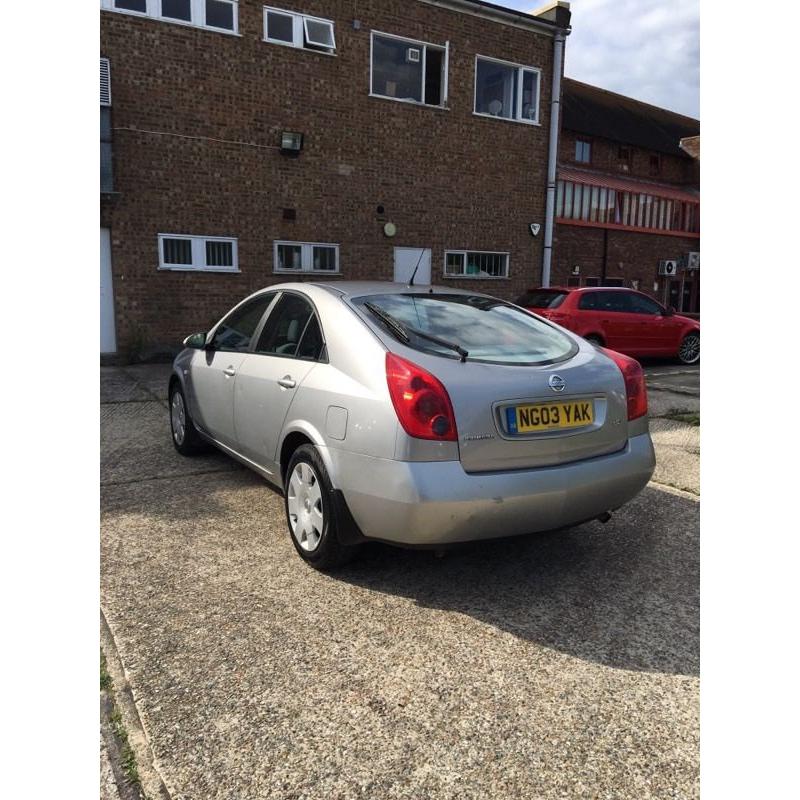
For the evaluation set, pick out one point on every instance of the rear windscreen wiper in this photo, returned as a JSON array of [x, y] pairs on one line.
[[394, 325], [402, 331]]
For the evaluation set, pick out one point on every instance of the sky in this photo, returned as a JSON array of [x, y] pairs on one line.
[[647, 49]]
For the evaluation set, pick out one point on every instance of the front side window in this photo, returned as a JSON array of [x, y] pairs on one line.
[[284, 330], [306, 257], [639, 304], [209, 253], [403, 69], [463, 263], [508, 91], [299, 30], [583, 151], [490, 330], [236, 331]]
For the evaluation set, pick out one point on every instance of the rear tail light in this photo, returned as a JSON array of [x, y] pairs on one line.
[[422, 404], [635, 387]]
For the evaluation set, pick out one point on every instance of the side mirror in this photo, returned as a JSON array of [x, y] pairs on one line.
[[669, 312], [197, 341]]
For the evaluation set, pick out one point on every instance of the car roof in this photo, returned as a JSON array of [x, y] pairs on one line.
[[358, 288]]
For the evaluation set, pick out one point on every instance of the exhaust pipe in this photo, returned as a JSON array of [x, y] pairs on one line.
[[604, 517]]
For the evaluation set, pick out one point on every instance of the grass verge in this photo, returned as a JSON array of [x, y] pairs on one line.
[[127, 759]]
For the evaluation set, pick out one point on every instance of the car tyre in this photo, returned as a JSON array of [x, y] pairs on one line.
[[311, 513], [689, 351], [185, 437]]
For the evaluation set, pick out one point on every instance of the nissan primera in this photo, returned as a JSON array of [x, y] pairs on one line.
[[419, 416]]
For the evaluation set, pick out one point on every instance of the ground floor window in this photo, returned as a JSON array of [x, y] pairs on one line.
[[306, 257], [204, 253], [475, 264]]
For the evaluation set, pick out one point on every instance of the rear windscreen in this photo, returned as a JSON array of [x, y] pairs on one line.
[[490, 330], [541, 299]]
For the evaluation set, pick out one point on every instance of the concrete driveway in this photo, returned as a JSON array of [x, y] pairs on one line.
[[558, 666]]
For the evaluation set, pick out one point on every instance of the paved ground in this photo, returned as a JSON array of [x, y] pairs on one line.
[[558, 666]]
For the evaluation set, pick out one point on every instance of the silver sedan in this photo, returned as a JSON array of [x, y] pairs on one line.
[[419, 416]]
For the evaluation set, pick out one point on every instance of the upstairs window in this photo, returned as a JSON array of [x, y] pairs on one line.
[[299, 30], [583, 151], [507, 91], [655, 165], [218, 15], [625, 158], [407, 70], [204, 253]]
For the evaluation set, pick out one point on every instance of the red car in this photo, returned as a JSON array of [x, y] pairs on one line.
[[621, 319]]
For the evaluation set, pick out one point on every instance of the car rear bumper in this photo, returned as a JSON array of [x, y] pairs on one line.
[[436, 502]]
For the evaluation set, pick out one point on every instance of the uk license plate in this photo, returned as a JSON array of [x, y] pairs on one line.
[[549, 416]]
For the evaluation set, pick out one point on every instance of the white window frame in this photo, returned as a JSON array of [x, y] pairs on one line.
[[306, 258], [198, 253], [300, 31], [521, 69], [466, 254], [424, 58], [198, 12]]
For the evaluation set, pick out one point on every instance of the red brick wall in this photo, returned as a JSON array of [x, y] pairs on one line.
[[631, 256], [447, 179], [605, 158]]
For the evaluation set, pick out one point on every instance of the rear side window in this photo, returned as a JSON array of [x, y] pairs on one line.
[[541, 299], [285, 327], [604, 301], [311, 345], [236, 331], [491, 330]]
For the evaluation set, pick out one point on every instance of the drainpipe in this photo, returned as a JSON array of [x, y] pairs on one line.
[[552, 156]]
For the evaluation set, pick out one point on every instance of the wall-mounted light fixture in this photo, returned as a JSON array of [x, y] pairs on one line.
[[291, 143]]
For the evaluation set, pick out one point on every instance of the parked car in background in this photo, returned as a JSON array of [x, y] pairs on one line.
[[621, 319], [413, 416]]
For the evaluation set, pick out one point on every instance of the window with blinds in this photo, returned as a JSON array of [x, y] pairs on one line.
[[475, 264], [204, 253]]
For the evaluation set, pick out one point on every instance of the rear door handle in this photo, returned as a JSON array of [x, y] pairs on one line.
[[287, 382], [230, 372]]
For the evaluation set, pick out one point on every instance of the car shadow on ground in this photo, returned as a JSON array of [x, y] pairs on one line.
[[625, 594]]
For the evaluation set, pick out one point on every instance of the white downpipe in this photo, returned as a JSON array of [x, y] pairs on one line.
[[552, 157]]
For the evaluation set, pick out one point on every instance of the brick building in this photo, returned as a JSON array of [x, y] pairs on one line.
[[245, 144], [628, 197]]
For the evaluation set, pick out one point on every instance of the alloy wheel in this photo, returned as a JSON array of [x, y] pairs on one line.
[[690, 349], [304, 503]]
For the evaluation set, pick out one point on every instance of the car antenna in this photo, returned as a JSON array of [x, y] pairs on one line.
[[414, 273]]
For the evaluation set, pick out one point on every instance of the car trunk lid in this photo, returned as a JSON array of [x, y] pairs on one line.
[[485, 398]]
